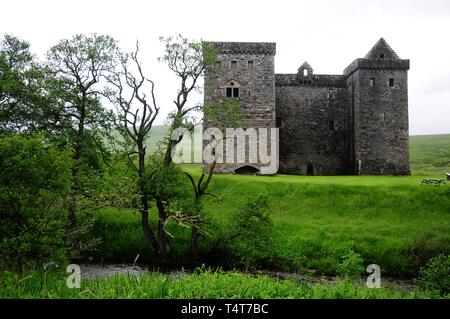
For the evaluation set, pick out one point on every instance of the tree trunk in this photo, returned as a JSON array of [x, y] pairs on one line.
[[194, 240], [144, 201], [72, 213], [163, 240]]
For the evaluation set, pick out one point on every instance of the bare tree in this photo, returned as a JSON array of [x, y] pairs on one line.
[[199, 189], [188, 61], [137, 112]]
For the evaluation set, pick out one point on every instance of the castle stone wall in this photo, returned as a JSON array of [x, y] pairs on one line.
[[312, 113], [354, 123]]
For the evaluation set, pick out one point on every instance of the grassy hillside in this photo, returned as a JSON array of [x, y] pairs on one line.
[[430, 154]]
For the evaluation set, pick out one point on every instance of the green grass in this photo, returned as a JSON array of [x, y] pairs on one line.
[[201, 285], [430, 154], [392, 221]]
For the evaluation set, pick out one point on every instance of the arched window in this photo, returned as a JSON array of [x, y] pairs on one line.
[[232, 89]]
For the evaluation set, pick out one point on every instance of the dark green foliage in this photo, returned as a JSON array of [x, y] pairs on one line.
[[34, 184], [26, 105], [435, 276], [250, 236], [165, 182]]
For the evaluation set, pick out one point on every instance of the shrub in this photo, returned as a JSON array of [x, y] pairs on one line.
[[34, 183], [351, 265], [435, 276], [250, 239]]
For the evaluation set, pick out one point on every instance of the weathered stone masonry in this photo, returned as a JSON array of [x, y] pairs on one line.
[[355, 123]]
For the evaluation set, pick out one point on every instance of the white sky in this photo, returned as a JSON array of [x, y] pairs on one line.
[[328, 34]]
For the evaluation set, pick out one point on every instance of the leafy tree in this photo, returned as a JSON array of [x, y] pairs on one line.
[[25, 102], [34, 186], [79, 65]]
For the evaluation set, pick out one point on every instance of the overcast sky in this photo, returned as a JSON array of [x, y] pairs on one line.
[[328, 34]]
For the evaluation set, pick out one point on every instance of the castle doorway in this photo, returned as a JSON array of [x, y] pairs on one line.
[[247, 170], [310, 170]]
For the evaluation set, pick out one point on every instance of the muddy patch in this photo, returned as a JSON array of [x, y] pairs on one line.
[[96, 270]]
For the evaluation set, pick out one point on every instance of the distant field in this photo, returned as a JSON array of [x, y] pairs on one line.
[[430, 154]]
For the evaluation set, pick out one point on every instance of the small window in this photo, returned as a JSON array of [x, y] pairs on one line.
[[332, 125], [391, 83], [232, 92], [305, 72], [250, 65], [233, 64], [218, 65], [372, 81], [279, 122], [381, 55]]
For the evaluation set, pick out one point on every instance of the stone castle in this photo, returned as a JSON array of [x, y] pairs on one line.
[[354, 123]]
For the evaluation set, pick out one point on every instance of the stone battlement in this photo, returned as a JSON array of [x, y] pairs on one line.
[[379, 64], [245, 47], [322, 80]]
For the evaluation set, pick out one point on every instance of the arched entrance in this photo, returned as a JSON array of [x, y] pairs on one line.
[[247, 170]]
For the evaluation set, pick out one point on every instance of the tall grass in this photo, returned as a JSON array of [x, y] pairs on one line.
[[199, 285]]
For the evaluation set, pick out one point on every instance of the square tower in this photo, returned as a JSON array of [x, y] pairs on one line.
[[378, 91], [242, 82]]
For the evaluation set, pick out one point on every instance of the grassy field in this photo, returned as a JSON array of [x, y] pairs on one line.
[[201, 285], [392, 221], [430, 154]]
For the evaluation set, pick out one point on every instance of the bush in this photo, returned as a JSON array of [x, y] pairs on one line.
[[251, 236], [351, 265], [34, 184], [435, 276]]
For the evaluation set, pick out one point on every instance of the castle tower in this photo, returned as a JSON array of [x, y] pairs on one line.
[[378, 94], [242, 80]]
